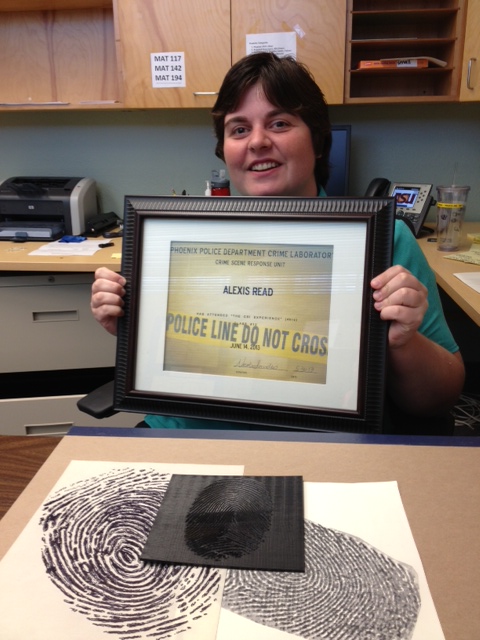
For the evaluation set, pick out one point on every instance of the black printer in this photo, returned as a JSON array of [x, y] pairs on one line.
[[37, 208]]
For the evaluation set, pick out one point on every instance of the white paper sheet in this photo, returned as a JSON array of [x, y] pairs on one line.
[[102, 579], [57, 248], [365, 521], [282, 43], [372, 513], [470, 278]]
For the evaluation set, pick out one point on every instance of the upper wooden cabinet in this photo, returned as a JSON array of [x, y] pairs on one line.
[[212, 35], [470, 87], [198, 30], [97, 53], [320, 29], [94, 54], [382, 29], [58, 53]]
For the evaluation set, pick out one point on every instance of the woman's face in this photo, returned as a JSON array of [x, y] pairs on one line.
[[268, 152]]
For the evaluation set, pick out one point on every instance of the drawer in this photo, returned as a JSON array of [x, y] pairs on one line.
[[53, 415], [47, 324]]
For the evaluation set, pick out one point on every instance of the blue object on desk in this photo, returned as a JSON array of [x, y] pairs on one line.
[[72, 239]]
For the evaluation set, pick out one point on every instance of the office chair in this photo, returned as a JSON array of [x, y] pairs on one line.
[[99, 402]]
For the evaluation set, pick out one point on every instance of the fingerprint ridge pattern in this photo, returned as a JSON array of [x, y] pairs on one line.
[[350, 590], [229, 518], [93, 533]]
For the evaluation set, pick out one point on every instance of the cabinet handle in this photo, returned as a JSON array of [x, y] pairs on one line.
[[205, 93], [55, 316], [469, 72], [48, 429]]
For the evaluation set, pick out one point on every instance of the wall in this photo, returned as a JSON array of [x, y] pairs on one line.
[[153, 152]]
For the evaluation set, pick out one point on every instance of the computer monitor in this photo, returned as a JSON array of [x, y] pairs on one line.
[[339, 160]]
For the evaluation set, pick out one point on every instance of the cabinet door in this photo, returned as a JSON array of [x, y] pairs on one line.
[[470, 88], [199, 30], [57, 53], [320, 35]]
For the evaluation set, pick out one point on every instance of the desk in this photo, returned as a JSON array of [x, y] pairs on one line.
[[21, 458], [45, 305], [14, 257], [439, 485], [466, 298]]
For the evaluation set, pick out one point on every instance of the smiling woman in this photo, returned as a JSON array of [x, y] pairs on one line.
[[274, 142], [273, 128], [268, 152], [273, 132]]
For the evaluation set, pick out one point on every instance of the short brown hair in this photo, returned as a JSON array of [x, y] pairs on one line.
[[288, 85]]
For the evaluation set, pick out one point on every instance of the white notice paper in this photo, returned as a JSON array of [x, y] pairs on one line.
[[168, 69], [282, 44]]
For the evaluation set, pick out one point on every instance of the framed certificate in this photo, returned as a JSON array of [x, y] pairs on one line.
[[255, 310]]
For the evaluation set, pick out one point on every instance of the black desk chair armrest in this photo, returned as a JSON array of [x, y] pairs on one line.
[[99, 402]]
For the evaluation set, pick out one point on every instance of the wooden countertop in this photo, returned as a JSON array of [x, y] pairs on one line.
[[21, 457], [14, 256], [467, 298]]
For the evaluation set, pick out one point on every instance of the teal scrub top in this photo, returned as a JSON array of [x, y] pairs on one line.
[[407, 253]]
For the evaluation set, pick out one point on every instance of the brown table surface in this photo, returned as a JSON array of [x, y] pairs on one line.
[[15, 256], [439, 485], [20, 459], [467, 298]]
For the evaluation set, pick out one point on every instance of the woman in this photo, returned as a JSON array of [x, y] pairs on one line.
[[273, 132]]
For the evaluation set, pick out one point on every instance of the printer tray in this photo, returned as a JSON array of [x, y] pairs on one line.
[[27, 230]]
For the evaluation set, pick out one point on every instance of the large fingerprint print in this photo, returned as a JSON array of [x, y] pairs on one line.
[[93, 534], [349, 591]]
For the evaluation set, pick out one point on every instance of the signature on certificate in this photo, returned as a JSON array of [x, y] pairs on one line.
[[255, 363]]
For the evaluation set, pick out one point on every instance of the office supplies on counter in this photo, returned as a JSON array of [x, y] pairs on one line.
[[45, 208], [219, 184], [74, 239], [87, 247], [102, 223]]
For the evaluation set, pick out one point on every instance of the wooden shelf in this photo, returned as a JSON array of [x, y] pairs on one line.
[[404, 29], [52, 5], [403, 71], [400, 5]]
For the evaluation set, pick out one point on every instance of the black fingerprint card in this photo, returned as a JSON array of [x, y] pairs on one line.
[[247, 522]]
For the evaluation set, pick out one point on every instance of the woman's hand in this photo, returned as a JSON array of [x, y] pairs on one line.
[[401, 299], [423, 377], [106, 303]]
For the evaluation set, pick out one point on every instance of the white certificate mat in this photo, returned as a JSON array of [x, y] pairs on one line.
[[246, 283]]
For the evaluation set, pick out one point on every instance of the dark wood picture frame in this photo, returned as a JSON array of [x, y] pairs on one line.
[[170, 243]]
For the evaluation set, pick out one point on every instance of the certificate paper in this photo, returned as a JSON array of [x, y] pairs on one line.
[[268, 318]]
